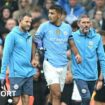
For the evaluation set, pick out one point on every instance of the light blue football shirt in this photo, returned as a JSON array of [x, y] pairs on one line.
[[55, 40]]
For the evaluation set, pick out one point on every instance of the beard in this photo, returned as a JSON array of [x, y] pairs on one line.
[[85, 30], [25, 28]]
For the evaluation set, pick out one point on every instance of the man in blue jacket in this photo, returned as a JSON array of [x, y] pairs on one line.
[[17, 56], [89, 44]]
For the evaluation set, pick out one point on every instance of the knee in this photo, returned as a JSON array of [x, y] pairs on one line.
[[15, 101]]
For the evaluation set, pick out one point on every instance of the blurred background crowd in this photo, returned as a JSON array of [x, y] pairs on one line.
[[10, 10]]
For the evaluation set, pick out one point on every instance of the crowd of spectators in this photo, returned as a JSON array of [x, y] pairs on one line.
[[10, 10]]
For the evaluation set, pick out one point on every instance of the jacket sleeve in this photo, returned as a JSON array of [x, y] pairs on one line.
[[101, 56], [7, 51]]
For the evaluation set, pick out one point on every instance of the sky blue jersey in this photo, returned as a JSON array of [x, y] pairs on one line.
[[17, 54], [54, 39], [90, 47]]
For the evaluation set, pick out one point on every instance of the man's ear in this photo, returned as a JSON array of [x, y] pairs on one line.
[[59, 15], [78, 23], [19, 20]]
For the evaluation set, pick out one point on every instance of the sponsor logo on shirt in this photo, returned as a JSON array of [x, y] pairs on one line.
[[58, 40]]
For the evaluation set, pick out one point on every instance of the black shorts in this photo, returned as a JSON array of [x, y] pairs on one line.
[[67, 93], [100, 95]]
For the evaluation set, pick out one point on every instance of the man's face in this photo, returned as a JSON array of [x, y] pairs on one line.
[[72, 3], [35, 14], [53, 15], [100, 3], [10, 24], [25, 23], [24, 3], [98, 15], [48, 4], [85, 24], [6, 13]]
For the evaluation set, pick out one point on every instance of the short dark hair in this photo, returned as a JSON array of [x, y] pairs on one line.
[[35, 20], [64, 12], [58, 8], [23, 15], [75, 24], [83, 16]]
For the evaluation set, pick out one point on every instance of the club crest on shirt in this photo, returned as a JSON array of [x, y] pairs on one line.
[[58, 32], [65, 33]]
